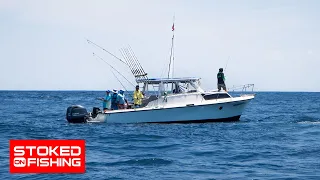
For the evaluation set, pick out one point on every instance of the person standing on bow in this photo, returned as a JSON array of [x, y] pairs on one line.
[[114, 100], [137, 97], [221, 80]]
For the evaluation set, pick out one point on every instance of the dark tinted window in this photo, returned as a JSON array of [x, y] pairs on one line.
[[216, 96], [192, 91]]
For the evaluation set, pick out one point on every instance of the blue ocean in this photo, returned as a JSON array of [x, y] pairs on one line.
[[277, 137]]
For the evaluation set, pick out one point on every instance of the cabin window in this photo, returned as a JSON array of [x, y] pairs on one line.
[[216, 96], [174, 88]]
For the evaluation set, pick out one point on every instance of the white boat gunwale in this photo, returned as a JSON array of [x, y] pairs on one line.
[[187, 105]]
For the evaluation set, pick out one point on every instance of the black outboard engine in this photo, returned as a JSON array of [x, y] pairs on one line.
[[95, 112], [77, 114]]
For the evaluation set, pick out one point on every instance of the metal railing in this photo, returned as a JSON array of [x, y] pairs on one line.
[[243, 89]]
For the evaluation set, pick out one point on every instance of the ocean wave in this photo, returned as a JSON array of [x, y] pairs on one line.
[[134, 162]]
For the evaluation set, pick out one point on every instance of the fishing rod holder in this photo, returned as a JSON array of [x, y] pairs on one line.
[[133, 63]]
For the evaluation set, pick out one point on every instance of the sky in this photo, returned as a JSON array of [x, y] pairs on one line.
[[273, 44]]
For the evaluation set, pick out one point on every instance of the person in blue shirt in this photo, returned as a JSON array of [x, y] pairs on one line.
[[106, 101], [121, 100], [114, 100]]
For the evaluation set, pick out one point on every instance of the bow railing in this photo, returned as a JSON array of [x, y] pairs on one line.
[[243, 89]]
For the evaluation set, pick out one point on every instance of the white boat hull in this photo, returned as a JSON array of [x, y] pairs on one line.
[[209, 112]]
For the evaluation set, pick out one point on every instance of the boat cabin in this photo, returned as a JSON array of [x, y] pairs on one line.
[[162, 86], [176, 91]]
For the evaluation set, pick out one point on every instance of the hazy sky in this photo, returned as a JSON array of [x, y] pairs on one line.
[[274, 44]]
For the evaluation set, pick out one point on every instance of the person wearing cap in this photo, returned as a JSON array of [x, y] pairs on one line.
[[221, 79], [106, 101], [137, 97], [121, 99], [114, 100]]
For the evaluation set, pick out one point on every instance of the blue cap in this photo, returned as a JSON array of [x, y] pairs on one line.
[[108, 91]]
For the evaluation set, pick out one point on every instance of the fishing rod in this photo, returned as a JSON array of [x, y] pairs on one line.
[[129, 59], [225, 68], [90, 42], [142, 73], [115, 75], [114, 69], [139, 65], [130, 64], [133, 64]]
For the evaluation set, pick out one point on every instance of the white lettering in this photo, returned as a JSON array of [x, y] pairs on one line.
[[19, 162], [53, 151], [61, 156], [57, 162], [66, 161], [76, 162], [45, 153], [30, 149], [64, 150], [47, 162], [75, 151], [31, 161], [44, 162], [19, 151]]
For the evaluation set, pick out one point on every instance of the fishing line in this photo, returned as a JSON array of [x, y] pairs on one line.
[[225, 68], [114, 69], [90, 42], [115, 75]]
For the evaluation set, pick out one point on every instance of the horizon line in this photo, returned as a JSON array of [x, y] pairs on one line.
[[3, 90]]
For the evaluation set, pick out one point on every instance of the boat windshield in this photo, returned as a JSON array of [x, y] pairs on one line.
[[159, 87]]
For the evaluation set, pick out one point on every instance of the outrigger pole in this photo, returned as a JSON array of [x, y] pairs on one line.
[[130, 60], [115, 75], [172, 51], [90, 42], [114, 70]]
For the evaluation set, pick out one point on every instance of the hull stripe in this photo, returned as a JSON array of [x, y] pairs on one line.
[[230, 119]]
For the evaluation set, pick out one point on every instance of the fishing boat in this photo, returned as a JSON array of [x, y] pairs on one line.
[[187, 102], [167, 100], [170, 100], [189, 105]]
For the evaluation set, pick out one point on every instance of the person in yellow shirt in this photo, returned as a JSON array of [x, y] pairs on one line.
[[137, 97]]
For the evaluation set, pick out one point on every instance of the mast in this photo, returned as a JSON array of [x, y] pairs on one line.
[[172, 52]]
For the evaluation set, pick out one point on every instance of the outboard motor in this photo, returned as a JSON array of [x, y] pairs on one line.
[[77, 114], [95, 112]]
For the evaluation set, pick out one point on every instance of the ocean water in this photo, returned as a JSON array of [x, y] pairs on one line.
[[277, 137]]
